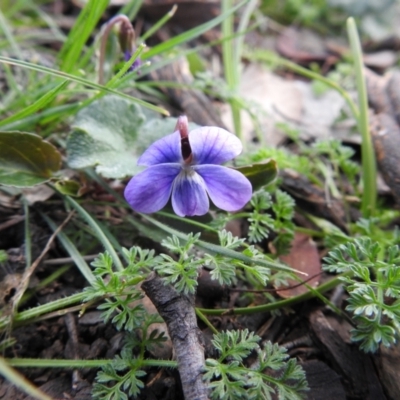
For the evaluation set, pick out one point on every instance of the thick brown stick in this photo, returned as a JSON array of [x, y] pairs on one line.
[[177, 310]]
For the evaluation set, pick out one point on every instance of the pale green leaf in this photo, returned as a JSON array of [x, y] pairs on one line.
[[111, 134]]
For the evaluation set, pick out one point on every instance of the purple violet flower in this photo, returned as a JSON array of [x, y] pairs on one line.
[[186, 166]]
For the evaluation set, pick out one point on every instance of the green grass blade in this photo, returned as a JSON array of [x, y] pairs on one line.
[[71, 250], [112, 82], [37, 105], [159, 24], [83, 81], [228, 50], [231, 62], [47, 19], [98, 231], [80, 33], [42, 117], [72, 364], [369, 174], [20, 381], [131, 8], [8, 34], [190, 34], [113, 240]]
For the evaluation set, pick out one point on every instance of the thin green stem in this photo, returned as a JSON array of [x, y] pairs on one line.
[[213, 248], [310, 232], [277, 305], [242, 27], [369, 174], [231, 65], [58, 363], [20, 381], [131, 8], [126, 66], [159, 23], [44, 309], [201, 316], [190, 34], [188, 221]]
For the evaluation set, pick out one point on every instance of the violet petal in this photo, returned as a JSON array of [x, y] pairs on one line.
[[212, 145], [149, 190], [164, 150], [228, 189], [189, 196]]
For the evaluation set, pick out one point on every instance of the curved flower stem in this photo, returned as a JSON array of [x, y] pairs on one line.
[[367, 149], [122, 19]]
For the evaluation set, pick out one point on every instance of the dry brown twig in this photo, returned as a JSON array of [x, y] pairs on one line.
[[30, 270], [178, 312]]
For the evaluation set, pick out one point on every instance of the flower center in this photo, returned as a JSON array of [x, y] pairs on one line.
[[187, 170]]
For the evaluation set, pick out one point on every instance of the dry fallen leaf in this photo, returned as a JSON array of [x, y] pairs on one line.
[[277, 100], [303, 257]]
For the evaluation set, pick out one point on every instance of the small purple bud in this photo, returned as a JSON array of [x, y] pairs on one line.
[[126, 36]]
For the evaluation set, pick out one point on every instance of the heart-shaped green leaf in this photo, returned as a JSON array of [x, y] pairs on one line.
[[105, 135], [26, 159], [111, 134], [260, 174]]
